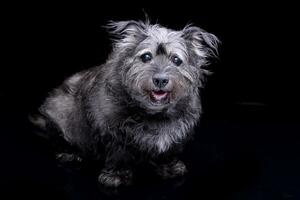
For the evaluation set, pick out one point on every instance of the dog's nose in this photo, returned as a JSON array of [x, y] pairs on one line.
[[160, 80]]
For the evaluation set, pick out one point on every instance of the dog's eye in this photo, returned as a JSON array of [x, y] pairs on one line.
[[146, 57], [177, 61]]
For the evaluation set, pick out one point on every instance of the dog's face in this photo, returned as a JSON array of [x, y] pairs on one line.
[[159, 66]]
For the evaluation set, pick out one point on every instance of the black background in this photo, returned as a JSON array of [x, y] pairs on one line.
[[247, 146]]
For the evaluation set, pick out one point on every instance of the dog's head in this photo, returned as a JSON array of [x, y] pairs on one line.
[[159, 66]]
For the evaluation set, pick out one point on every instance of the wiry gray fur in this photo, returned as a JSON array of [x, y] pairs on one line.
[[106, 112]]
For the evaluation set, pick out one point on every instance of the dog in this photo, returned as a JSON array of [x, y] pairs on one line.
[[139, 107]]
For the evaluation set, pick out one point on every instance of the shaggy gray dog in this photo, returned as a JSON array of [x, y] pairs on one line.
[[138, 107]]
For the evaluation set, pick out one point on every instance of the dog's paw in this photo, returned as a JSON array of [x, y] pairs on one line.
[[171, 170], [111, 178]]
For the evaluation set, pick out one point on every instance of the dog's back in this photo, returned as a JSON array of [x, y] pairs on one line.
[[60, 116]]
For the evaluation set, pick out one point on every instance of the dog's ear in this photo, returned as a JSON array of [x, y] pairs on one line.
[[127, 33], [204, 44]]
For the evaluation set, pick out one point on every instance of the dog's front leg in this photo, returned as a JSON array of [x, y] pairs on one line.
[[118, 167]]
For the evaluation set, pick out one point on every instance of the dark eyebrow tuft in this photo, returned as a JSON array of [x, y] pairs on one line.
[[161, 49]]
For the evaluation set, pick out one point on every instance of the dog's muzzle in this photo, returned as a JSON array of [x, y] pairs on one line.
[[160, 95]]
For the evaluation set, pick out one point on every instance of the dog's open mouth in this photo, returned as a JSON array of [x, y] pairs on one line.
[[159, 96]]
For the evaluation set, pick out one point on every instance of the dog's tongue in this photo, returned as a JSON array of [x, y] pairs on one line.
[[159, 95]]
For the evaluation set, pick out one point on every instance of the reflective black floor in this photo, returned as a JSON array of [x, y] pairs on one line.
[[250, 154]]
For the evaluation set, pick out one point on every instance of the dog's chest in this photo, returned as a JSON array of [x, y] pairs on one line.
[[156, 136]]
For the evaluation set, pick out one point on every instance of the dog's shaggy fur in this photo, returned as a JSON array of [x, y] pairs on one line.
[[141, 105]]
